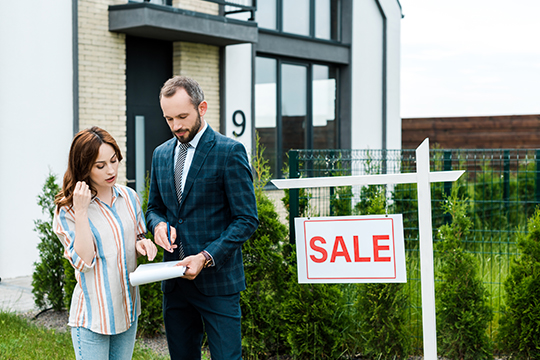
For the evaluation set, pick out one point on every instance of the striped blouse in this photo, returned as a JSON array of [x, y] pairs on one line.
[[103, 300]]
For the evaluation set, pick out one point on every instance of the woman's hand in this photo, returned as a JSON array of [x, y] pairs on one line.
[[81, 197], [83, 243], [146, 247]]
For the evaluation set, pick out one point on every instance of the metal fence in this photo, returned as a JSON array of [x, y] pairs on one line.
[[501, 187]]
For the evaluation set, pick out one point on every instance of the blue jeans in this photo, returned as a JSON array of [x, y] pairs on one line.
[[89, 345]]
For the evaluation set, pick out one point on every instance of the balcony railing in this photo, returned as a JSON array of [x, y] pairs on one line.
[[229, 6]]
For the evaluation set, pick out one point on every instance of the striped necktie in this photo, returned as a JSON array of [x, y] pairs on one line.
[[178, 170]]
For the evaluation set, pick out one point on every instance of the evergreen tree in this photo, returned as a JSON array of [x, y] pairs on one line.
[[520, 322], [381, 308], [48, 276], [463, 313], [262, 329]]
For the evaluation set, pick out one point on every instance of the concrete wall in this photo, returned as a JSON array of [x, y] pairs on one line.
[[36, 117], [238, 94], [375, 69]]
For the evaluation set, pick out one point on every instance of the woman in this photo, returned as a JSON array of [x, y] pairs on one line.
[[102, 228]]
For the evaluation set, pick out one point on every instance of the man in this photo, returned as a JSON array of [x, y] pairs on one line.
[[206, 203]]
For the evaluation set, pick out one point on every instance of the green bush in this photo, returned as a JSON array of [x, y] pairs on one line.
[[519, 323], [151, 319], [381, 313], [48, 277], [381, 309], [315, 318], [262, 330], [463, 313]]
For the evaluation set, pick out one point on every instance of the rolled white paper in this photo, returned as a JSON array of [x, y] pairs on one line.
[[152, 272]]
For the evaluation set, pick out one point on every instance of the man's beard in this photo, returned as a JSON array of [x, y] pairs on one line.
[[192, 131]]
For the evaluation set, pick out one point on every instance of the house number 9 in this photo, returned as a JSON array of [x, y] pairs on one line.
[[241, 124]]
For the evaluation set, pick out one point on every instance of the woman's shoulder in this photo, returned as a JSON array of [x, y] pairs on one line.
[[123, 189], [128, 193], [65, 211]]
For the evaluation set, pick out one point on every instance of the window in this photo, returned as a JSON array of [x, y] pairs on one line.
[[296, 18], [313, 18], [266, 14], [294, 116], [324, 107], [295, 108], [265, 107]]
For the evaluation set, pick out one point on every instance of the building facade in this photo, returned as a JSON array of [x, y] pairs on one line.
[[303, 74]]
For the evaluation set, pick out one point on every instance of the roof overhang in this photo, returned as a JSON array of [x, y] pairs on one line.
[[173, 24]]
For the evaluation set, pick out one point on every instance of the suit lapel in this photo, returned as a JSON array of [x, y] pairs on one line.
[[169, 171], [203, 148]]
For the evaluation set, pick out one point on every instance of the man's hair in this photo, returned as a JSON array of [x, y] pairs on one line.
[[191, 86]]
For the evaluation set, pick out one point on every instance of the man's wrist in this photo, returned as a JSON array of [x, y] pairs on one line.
[[160, 224], [208, 261]]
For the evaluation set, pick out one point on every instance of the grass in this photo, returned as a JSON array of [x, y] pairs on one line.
[[22, 340]]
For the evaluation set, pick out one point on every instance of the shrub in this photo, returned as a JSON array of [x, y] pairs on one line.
[[48, 277], [463, 313], [519, 324], [315, 316], [315, 319], [151, 319], [262, 330], [381, 319], [381, 309]]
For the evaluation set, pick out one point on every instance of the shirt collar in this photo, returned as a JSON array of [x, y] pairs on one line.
[[195, 141], [116, 194]]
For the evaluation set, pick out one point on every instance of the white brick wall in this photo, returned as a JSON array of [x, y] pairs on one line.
[[102, 74], [102, 70], [201, 62]]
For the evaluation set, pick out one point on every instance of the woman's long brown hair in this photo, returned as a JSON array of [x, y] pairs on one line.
[[82, 156]]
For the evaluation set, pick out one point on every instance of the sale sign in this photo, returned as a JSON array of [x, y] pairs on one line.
[[351, 249]]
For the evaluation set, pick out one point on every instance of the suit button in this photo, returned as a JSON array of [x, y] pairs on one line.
[[180, 221]]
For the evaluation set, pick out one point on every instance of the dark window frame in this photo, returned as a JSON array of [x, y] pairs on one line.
[[337, 27], [309, 140]]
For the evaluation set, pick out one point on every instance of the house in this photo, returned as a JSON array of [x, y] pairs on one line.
[[310, 74]]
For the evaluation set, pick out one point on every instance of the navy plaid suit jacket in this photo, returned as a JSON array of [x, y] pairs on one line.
[[218, 212]]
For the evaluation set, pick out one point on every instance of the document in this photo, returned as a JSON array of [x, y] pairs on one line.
[[152, 272]]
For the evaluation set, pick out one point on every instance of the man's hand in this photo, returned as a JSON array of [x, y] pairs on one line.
[[194, 264], [160, 237]]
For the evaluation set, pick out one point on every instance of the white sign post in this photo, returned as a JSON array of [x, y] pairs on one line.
[[423, 177]]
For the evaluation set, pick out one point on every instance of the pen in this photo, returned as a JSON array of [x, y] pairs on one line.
[[169, 233]]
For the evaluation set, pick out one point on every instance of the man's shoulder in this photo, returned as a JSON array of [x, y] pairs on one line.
[[166, 146], [225, 141]]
